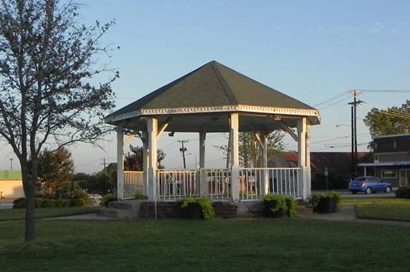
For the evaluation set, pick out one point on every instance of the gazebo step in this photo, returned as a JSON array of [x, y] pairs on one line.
[[118, 214], [304, 209], [126, 204]]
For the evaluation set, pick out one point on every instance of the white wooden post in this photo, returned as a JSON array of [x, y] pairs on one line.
[[265, 183], [308, 169], [120, 163], [301, 126], [145, 162], [152, 162], [202, 174], [234, 131]]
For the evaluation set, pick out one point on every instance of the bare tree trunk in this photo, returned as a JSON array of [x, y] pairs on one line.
[[30, 227]]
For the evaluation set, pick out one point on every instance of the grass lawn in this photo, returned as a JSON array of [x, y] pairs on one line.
[[381, 208], [216, 245], [376, 201], [18, 214]]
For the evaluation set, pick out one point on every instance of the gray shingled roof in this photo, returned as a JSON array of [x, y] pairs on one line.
[[212, 84]]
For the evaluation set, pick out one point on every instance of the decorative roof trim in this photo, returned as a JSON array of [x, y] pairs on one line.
[[210, 109]]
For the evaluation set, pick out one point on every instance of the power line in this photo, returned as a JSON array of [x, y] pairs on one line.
[[383, 91], [337, 102], [330, 99]]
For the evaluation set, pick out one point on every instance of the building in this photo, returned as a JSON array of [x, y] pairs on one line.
[[11, 185], [391, 159], [329, 170]]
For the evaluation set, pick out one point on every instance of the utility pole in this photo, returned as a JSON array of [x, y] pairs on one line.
[[354, 131], [183, 150], [11, 164], [104, 164]]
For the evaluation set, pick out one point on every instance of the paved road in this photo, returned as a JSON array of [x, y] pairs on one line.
[[6, 205], [348, 194]]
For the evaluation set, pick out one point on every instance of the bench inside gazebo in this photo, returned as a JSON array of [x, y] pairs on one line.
[[214, 99]]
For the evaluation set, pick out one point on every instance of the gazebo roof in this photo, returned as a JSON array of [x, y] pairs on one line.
[[214, 88]]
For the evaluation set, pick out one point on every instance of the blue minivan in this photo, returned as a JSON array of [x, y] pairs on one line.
[[368, 185]]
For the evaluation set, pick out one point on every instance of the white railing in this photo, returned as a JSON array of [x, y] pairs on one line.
[[133, 183], [217, 183], [177, 184], [279, 181]]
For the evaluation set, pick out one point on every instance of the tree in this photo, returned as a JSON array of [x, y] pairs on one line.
[[250, 152], [133, 161], [48, 90], [394, 120], [54, 168]]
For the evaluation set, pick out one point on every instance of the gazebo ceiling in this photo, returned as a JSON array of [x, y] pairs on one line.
[[203, 99]]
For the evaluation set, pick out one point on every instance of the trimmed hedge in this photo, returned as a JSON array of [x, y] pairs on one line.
[[79, 198], [403, 192], [196, 208], [107, 199], [325, 202], [279, 206]]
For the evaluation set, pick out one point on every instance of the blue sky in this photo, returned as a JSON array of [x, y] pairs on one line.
[[310, 50]]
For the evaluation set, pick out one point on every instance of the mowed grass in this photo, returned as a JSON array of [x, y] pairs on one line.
[[18, 214], [215, 245], [381, 208]]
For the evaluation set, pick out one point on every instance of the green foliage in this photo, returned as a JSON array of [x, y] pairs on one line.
[[79, 198], [207, 210], [390, 121], [139, 195], [403, 192], [101, 183], [54, 168], [280, 205], [321, 202], [19, 203], [250, 153], [133, 160], [107, 199]]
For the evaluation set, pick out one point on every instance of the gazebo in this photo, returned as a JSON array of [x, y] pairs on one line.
[[215, 98]]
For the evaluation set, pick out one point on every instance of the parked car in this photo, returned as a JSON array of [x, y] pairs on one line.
[[369, 185], [95, 197]]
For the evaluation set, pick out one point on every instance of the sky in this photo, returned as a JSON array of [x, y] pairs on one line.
[[309, 50]]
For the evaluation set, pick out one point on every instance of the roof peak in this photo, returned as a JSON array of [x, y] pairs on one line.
[[214, 85]]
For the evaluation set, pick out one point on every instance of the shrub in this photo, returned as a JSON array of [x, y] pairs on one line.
[[107, 199], [44, 203], [139, 195], [325, 202], [279, 206], [61, 202], [79, 198], [191, 206], [403, 192], [19, 203]]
